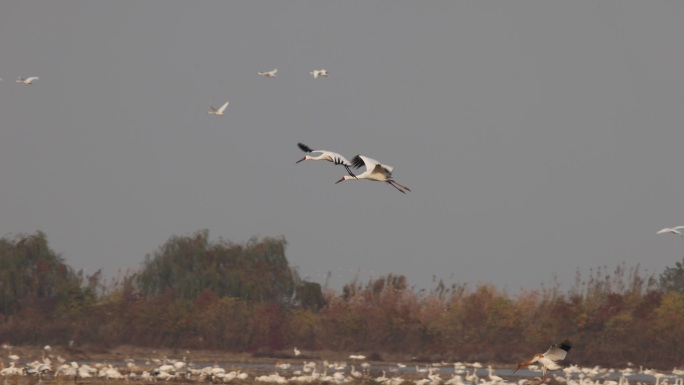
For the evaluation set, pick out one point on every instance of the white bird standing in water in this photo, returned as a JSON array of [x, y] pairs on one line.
[[330, 156], [28, 80], [219, 111], [493, 377], [672, 230], [296, 351], [549, 359], [374, 171], [268, 74]]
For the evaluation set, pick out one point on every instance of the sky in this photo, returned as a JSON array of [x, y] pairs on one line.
[[538, 138]]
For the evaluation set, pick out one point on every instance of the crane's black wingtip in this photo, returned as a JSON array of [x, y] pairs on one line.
[[565, 345], [304, 147], [357, 162]]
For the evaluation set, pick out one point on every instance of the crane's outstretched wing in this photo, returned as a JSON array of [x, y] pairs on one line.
[[372, 165], [361, 160], [223, 107], [304, 147], [558, 352]]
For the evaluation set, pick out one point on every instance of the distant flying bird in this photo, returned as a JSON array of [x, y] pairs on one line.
[[330, 156], [268, 74], [322, 73], [28, 80], [671, 230], [218, 112], [549, 359], [374, 171]]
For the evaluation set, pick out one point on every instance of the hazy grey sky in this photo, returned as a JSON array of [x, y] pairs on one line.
[[538, 137]]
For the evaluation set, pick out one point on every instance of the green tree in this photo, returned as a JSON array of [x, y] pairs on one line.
[[668, 325], [309, 295], [33, 275], [672, 278], [41, 298], [256, 271]]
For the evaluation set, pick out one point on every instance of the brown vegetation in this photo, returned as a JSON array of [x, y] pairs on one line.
[[195, 294]]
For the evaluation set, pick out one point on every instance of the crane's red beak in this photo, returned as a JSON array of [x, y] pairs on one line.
[[304, 158], [341, 180], [520, 365]]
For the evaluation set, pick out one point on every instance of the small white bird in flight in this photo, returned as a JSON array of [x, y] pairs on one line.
[[549, 359], [28, 80], [319, 73], [218, 112], [330, 156], [268, 74], [672, 230], [374, 171]]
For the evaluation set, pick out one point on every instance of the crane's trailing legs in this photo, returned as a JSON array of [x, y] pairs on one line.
[[395, 184], [398, 186], [349, 171]]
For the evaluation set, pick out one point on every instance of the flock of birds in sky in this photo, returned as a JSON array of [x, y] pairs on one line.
[[338, 373], [374, 170]]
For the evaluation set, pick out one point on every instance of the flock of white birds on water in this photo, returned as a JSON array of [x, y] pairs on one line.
[[52, 367]]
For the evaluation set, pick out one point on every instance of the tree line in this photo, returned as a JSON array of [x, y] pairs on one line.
[[200, 294]]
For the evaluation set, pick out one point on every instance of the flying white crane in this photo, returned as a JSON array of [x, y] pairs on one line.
[[549, 359], [330, 156], [319, 73], [28, 80], [374, 171], [268, 74], [672, 230], [219, 111]]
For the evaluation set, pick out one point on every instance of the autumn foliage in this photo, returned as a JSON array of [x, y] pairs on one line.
[[194, 293]]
